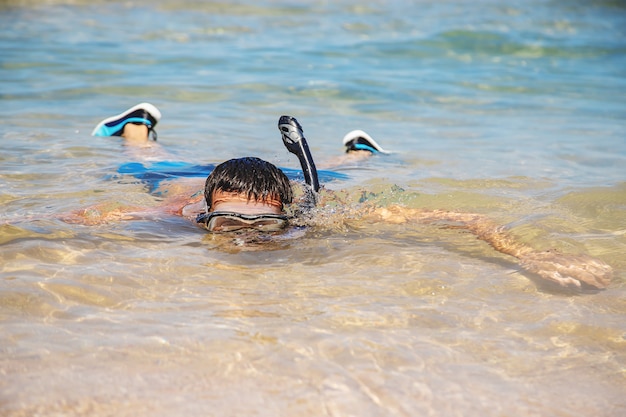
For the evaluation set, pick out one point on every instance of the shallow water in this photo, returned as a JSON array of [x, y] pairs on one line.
[[516, 111]]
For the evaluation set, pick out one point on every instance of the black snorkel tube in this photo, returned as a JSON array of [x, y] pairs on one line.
[[293, 138]]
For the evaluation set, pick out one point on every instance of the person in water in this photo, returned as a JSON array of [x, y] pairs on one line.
[[250, 193]]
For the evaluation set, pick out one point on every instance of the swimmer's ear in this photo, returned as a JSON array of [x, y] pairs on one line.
[[294, 141]]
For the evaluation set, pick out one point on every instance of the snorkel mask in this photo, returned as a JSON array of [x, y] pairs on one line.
[[227, 221]]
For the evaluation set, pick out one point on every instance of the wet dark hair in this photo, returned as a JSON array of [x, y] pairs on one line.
[[254, 177]]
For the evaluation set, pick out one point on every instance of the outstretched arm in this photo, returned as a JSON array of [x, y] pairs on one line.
[[103, 213], [176, 201], [565, 270]]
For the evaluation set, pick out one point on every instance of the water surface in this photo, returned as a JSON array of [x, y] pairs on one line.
[[516, 111]]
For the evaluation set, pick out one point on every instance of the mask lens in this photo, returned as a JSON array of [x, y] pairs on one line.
[[229, 222]]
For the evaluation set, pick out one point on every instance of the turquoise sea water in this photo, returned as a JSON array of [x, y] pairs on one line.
[[516, 110]]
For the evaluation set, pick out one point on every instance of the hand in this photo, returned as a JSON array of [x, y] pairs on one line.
[[568, 270], [100, 214]]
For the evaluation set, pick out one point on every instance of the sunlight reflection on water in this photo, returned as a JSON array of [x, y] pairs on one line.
[[511, 111]]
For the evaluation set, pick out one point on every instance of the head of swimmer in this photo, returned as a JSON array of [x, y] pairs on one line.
[[247, 186]]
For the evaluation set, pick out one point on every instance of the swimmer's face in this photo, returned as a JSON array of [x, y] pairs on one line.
[[246, 193], [239, 203]]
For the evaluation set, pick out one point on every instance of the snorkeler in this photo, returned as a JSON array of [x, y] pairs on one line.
[[249, 193]]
